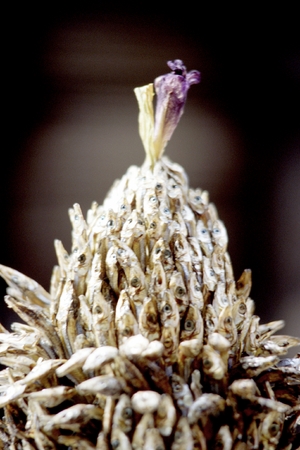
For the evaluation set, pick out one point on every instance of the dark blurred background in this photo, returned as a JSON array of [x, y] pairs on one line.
[[70, 127]]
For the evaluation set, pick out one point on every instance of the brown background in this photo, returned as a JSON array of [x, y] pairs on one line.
[[70, 128]]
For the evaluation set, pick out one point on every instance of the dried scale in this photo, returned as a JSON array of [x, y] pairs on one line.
[[146, 341]]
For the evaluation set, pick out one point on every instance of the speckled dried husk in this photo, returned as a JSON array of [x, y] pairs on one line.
[[145, 341]]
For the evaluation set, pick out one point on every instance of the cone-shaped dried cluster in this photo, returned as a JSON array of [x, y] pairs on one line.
[[145, 340]]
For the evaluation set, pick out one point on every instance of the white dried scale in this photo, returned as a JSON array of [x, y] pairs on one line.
[[146, 341]]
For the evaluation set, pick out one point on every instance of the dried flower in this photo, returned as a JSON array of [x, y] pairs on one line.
[[145, 339], [171, 91]]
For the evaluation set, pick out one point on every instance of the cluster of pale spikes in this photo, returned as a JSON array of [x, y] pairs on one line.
[[145, 340]]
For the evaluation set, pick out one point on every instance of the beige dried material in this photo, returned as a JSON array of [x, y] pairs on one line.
[[145, 341]]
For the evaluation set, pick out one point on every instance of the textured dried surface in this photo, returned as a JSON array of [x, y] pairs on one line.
[[145, 325], [145, 341]]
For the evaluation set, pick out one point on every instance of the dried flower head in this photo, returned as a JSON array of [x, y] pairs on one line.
[[145, 340]]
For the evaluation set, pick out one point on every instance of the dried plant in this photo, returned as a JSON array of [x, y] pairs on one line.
[[146, 341]]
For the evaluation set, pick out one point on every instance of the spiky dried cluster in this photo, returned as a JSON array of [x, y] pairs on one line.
[[145, 340]]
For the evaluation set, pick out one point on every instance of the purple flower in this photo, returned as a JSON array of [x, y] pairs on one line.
[[171, 90]]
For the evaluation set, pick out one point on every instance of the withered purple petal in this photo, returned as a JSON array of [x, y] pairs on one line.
[[171, 90]]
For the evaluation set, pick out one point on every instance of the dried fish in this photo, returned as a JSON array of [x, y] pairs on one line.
[[219, 235], [270, 429], [133, 234], [153, 439], [134, 346], [73, 443], [224, 438], [111, 264], [149, 319], [138, 438], [102, 442], [98, 357], [73, 417], [103, 320], [31, 289], [204, 238], [123, 414], [178, 289], [52, 396], [67, 317], [183, 437], [192, 325], [181, 393], [209, 276], [119, 440], [11, 393], [195, 293], [133, 377], [62, 257], [126, 322], [183, 258], [165, 415], [145, 402], [102, 384], [170, 340], [208, 410], [76, 361], [146, 341], [35, 316]]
